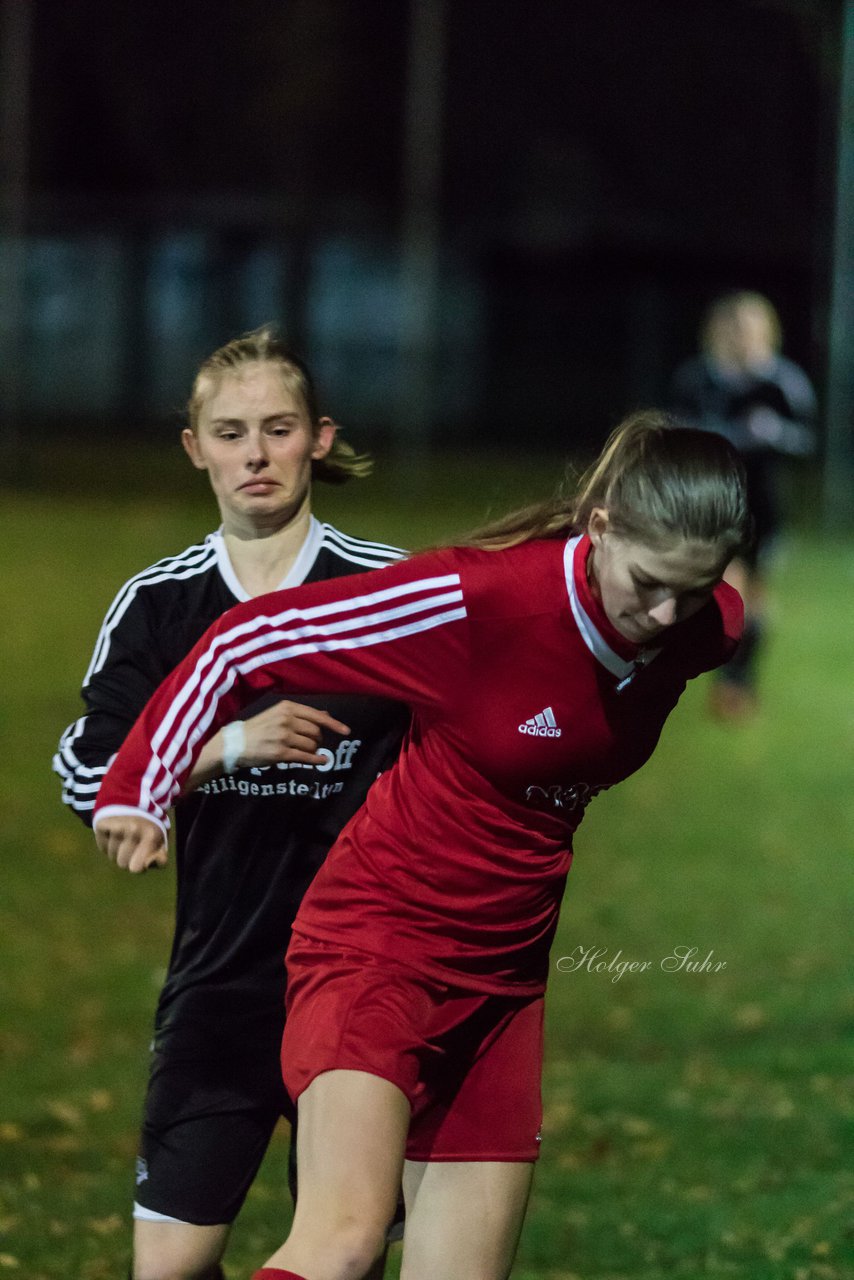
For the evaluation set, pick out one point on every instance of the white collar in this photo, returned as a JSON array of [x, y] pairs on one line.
[[296, 574], [622, 668]]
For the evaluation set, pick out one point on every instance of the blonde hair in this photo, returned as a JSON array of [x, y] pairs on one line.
[[262, 346], [656, 479]]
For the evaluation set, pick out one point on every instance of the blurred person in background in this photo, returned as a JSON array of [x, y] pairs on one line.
[[267, 797], [742, 387], [540, 661]]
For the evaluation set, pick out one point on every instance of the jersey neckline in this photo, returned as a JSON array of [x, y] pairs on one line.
[[296, 575], [617, 654]]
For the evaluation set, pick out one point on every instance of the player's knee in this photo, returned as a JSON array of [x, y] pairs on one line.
[[346, 1248], [358, 1247]]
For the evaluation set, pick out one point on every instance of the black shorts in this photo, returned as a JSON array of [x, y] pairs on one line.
[[207, 1124]]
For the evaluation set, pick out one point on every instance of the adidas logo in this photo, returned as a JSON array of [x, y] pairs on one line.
[[543, 725]]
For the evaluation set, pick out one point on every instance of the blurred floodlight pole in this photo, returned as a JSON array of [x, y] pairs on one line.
[[839, 455], [421, 227], [15, 41]]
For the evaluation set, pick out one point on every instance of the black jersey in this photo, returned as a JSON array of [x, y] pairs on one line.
[[247, 844], [704, 394]]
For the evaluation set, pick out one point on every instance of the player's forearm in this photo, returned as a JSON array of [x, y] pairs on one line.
[[209, 764], [164, 755]]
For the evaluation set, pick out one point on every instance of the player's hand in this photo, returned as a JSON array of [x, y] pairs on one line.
[[287, 733], [132, 842]]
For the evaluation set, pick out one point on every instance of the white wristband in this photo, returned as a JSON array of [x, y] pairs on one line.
[[233, 745]]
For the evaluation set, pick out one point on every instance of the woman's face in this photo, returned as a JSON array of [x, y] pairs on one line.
[[255, 440], [754, 334], [744, 336], [644, 590]]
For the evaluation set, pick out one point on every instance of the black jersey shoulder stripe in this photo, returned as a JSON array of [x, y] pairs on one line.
[[195, 560], [384, 549], [344, 553], [359, 550], [81, 782], [189, 557], [366, 544]]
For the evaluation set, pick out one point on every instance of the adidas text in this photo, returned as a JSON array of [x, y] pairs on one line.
[[543, 725]]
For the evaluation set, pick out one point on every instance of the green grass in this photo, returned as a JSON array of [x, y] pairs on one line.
[[697, 1124]]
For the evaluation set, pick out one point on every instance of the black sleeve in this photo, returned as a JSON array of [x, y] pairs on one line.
[[696, 401], [798, 412], [126, 667]]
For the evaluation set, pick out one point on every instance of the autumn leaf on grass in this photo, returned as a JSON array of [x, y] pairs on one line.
[[750, 1017], [65, 1112], [106, 1226]]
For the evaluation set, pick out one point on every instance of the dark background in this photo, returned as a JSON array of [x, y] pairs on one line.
[[606, 168]]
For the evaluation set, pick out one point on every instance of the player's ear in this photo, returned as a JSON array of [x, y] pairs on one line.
[[191, 447], [324, 437], [597, 525]]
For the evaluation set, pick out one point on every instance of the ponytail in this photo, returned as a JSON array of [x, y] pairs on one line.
[[656, 479]]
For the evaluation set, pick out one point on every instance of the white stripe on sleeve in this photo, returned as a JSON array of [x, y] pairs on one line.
[[379, 617]]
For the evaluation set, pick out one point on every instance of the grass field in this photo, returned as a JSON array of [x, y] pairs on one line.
[[698, 1123]]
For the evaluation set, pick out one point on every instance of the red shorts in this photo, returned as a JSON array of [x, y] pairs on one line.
[[469, 1063]]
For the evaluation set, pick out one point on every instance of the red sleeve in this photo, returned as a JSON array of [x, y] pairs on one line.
[[731, 608], [396, 632], [718, 630]]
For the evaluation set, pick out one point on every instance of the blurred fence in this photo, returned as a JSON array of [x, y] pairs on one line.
[[535, 347], [114, 324]]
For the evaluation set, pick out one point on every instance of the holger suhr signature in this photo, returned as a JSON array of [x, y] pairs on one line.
[[680, 959]]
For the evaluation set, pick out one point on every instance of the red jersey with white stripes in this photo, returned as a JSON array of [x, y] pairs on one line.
[[525, 701]]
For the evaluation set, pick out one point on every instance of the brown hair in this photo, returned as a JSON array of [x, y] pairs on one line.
[[262, 346], [656, 479]]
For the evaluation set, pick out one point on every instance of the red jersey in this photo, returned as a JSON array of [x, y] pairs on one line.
[[525, 701]]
